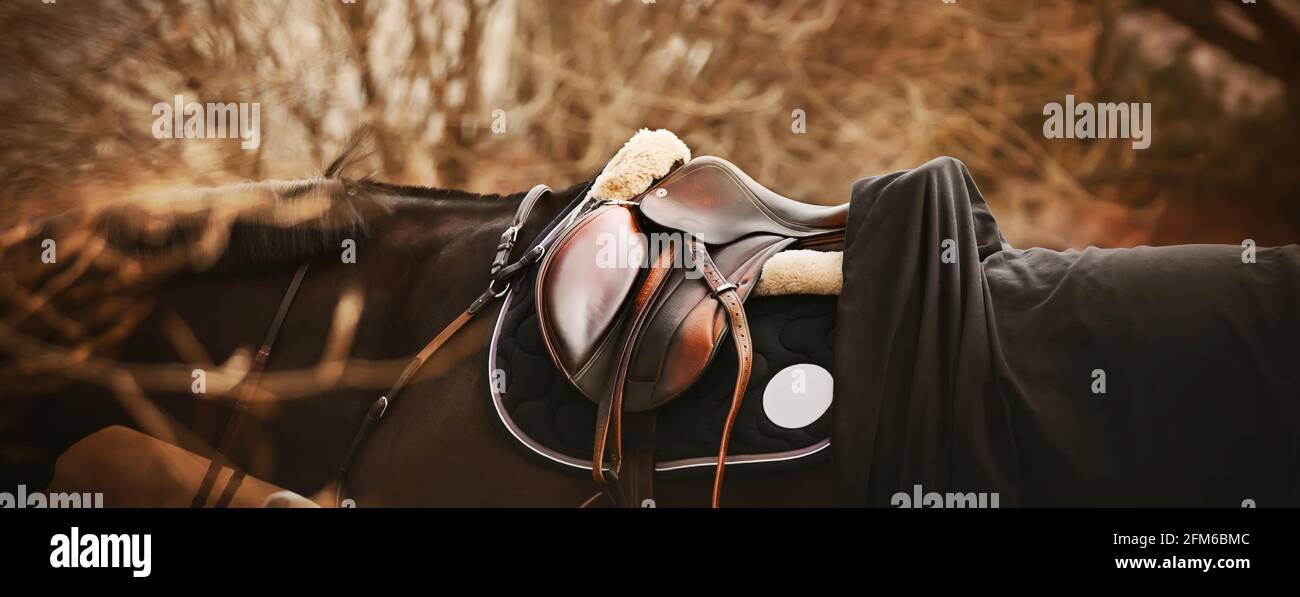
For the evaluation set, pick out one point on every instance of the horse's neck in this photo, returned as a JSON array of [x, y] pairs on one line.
[[447, 249]]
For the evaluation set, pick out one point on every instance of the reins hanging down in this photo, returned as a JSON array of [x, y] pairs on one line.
[[235, 424]]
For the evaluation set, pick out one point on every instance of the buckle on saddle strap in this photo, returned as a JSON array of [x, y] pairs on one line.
[[510, 272], [723, 288], [378, 408], [511, 234], [504, 247]]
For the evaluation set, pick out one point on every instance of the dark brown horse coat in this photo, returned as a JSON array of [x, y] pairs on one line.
[[421, 256]]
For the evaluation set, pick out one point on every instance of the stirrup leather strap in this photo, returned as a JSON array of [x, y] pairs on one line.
[[726, 293], [610, 410]]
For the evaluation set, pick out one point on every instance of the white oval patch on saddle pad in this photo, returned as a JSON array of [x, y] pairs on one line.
[[798, 395]]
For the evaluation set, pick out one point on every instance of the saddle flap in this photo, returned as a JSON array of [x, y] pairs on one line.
[[596, 304], [583, 283]]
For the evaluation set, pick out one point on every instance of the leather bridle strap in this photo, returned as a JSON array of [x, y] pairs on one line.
[[502, 273], [232, 429], [726, 293]]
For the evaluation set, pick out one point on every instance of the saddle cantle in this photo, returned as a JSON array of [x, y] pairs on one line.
[[634, 298]]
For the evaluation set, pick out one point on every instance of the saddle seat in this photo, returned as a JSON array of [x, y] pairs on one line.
[[718, 202], [634, 298]]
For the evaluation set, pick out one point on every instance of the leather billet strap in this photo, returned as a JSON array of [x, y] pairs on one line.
[[726, 293], [503, 273], [234, 425]]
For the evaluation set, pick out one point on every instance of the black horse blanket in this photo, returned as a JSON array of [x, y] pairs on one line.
[[1151, 376]]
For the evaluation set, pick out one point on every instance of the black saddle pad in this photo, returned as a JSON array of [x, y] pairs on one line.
[[550, 419]]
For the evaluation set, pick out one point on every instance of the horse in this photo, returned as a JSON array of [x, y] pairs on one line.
[[399, 263]]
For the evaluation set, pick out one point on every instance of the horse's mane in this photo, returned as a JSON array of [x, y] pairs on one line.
[[255, 224], [85, 278]]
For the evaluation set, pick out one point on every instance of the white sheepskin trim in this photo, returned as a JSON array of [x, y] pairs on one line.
[[648, 155], [802, 271]]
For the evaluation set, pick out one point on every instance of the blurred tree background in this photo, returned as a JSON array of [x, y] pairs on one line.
[[497, 95]]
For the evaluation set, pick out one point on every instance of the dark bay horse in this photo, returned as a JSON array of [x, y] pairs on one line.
[[421, 256]]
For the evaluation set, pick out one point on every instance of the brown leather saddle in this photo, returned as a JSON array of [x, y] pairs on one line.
[[634, 298]]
